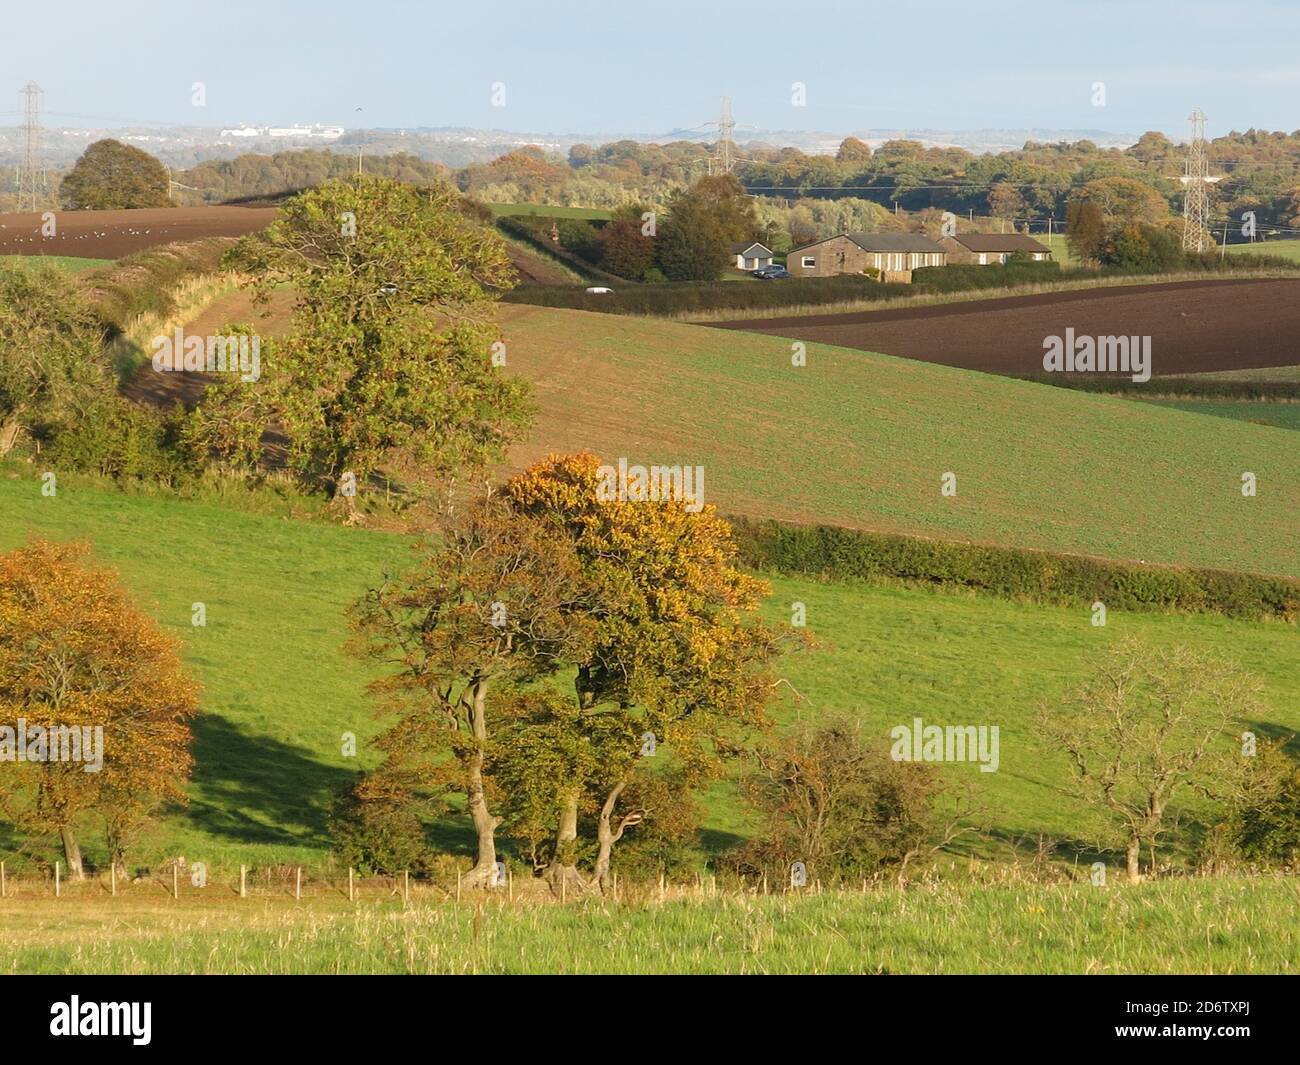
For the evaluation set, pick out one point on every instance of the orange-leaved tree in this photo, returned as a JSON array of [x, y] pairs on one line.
[[677, 644], [94, 693], [499, 599]]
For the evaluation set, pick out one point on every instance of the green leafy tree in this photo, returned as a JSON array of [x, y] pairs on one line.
[[49, 354], [703, 221], [112, 176], [389, 361]]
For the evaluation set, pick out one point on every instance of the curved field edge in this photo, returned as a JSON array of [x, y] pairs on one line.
[[863, 440], [1227, 926]]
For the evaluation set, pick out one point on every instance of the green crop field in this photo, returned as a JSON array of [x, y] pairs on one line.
[[279, 693], [863, 440], [1282, 415]]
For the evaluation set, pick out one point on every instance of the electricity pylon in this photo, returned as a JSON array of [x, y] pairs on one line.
[[31, 176], [1196, 187]]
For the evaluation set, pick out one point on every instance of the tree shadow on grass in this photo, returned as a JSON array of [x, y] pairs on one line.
[[256, 789]]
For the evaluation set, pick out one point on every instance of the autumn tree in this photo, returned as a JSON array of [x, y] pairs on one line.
[[49, 353], [76, 653], [1147, 727], [1005, 202], [389, 361], [1124, 200], [703, 221], [625, 250], [112, 176], [1085, 230], [499, 601], [853, 150], [677, 650]]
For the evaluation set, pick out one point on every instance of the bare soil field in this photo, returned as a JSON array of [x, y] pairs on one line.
[[1195, 326], [113, 234]]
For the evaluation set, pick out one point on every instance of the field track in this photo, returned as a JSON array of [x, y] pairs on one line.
[[1194, 326]]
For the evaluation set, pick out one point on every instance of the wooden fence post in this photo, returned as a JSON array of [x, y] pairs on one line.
[[297, 886], [350, 896], [458, 885], [112, 879], [243, 886], [510, 884], [176, 882], [661, 885], [2, 880], [406, 885], [58, 886]]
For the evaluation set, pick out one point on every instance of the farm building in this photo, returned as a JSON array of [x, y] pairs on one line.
[[984, 249], [751, 256], [895, 255]]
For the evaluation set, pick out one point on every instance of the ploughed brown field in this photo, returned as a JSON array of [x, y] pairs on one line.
[[1194, 326], [113, 234]]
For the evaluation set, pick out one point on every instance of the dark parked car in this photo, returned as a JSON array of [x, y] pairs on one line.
[[771, 273]]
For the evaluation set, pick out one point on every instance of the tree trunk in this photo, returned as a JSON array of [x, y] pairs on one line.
[[72, 851], [1131, 854], [485, 824], [607, 835], [562, 874], [10, 427]]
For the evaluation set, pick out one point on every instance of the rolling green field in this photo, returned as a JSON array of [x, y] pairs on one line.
[[863, 440], [278, 693], [69, 263], [1173, 926], [503, 210], [1286, 249]]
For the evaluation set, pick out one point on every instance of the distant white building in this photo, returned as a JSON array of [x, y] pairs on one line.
[[316, 132]]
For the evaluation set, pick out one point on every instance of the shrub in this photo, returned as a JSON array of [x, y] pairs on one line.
[[116, 438], [377, 833], [841, 806]]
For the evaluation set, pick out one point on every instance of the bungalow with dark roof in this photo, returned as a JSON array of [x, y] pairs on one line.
[[893, 255], [985, 249], [751, 256]]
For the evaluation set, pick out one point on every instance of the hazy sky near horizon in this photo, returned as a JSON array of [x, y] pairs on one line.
[[572, 66]]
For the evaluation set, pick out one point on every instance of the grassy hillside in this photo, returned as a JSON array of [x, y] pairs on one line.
[[864, 440], [511, 210], [278, 692], [69, 263]]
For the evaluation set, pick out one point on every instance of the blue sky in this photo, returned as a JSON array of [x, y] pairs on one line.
[[620, 65]]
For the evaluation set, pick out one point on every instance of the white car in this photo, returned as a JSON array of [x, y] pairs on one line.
[[599, 288]]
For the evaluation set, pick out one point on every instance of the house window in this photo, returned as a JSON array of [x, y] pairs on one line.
[[808, 262]]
